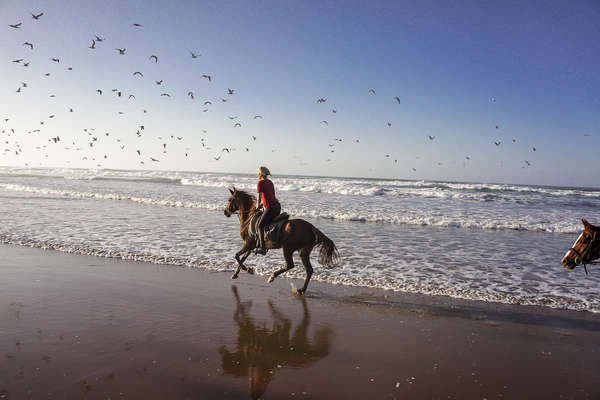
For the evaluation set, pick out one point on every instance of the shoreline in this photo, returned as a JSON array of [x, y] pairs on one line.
[[335, 287], [74, 326]]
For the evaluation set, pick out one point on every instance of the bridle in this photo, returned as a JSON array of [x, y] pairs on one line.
[[244, 214], [586, 251]]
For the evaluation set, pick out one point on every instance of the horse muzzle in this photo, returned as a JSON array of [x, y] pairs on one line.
[[568, 266], [227, 213], [569, 263]]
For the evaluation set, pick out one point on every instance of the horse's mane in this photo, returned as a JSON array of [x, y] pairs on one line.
[[246, 198]]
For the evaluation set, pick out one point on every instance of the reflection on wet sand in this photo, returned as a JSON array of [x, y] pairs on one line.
[[260, 352]]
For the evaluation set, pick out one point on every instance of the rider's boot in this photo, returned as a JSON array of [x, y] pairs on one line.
[[261, 249]]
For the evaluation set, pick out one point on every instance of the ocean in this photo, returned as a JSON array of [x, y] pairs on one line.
[[489, 242]]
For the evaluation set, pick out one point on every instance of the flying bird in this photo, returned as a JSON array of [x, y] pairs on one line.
[[191, 94], [28, 44], [321, 100], [99, 91], [230, 91], [130, 96], [16, 26], [397, 99], [534, 149], [159, 82], [431, 137], [138, 25], [207, 102], [55, 60], [258, 116], [93, 45], [389, 124], [138, 73], [325, 122], [497, 143], [99, 39], [371, 91], [36, 17], [18, 60], [165, 94], [155, 58], [153, 159], [194, 55], [121, 51], [207, 77], [237, 125]]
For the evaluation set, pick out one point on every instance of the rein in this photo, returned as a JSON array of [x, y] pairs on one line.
[[585, 253]]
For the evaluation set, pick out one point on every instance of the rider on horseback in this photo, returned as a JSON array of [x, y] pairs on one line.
[[266, 195]]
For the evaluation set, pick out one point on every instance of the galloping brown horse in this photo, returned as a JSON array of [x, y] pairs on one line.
[[296, 234], [585, 249]]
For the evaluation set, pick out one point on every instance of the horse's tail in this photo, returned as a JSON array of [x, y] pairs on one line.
[[328, 254]]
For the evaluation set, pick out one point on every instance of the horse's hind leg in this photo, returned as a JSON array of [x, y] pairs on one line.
[[305, 257], [289, 263]]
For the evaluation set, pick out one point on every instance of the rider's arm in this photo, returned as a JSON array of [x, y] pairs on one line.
[[258, 197]]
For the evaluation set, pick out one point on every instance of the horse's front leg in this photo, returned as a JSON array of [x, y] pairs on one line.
[[244, 252]]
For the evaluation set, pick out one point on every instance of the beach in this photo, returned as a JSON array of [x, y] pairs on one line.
[[77, 326]]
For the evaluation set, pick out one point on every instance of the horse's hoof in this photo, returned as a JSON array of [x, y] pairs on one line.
[[250, 271], [271, 279], [234, 276], [299, 292]]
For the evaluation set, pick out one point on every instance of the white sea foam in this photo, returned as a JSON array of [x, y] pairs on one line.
[[381, 214], [422, 237]]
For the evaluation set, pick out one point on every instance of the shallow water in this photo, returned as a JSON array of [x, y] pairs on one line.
[[423, 237]]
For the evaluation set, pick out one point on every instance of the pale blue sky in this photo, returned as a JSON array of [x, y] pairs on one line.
[[444, 60]]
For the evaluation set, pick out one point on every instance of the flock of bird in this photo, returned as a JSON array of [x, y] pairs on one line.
[[92, 136]]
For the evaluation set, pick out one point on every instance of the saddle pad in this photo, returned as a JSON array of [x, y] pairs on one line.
[[272, 230]]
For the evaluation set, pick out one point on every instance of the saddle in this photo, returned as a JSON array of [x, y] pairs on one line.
[[272, 230]]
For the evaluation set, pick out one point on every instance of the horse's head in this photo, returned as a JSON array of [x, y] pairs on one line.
[[585, 249], [239, 201], [232, 204]]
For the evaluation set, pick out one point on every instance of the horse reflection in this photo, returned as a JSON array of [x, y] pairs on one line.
[[262, 351]]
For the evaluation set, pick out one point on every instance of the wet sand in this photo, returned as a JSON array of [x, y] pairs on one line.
[[76, 327]]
